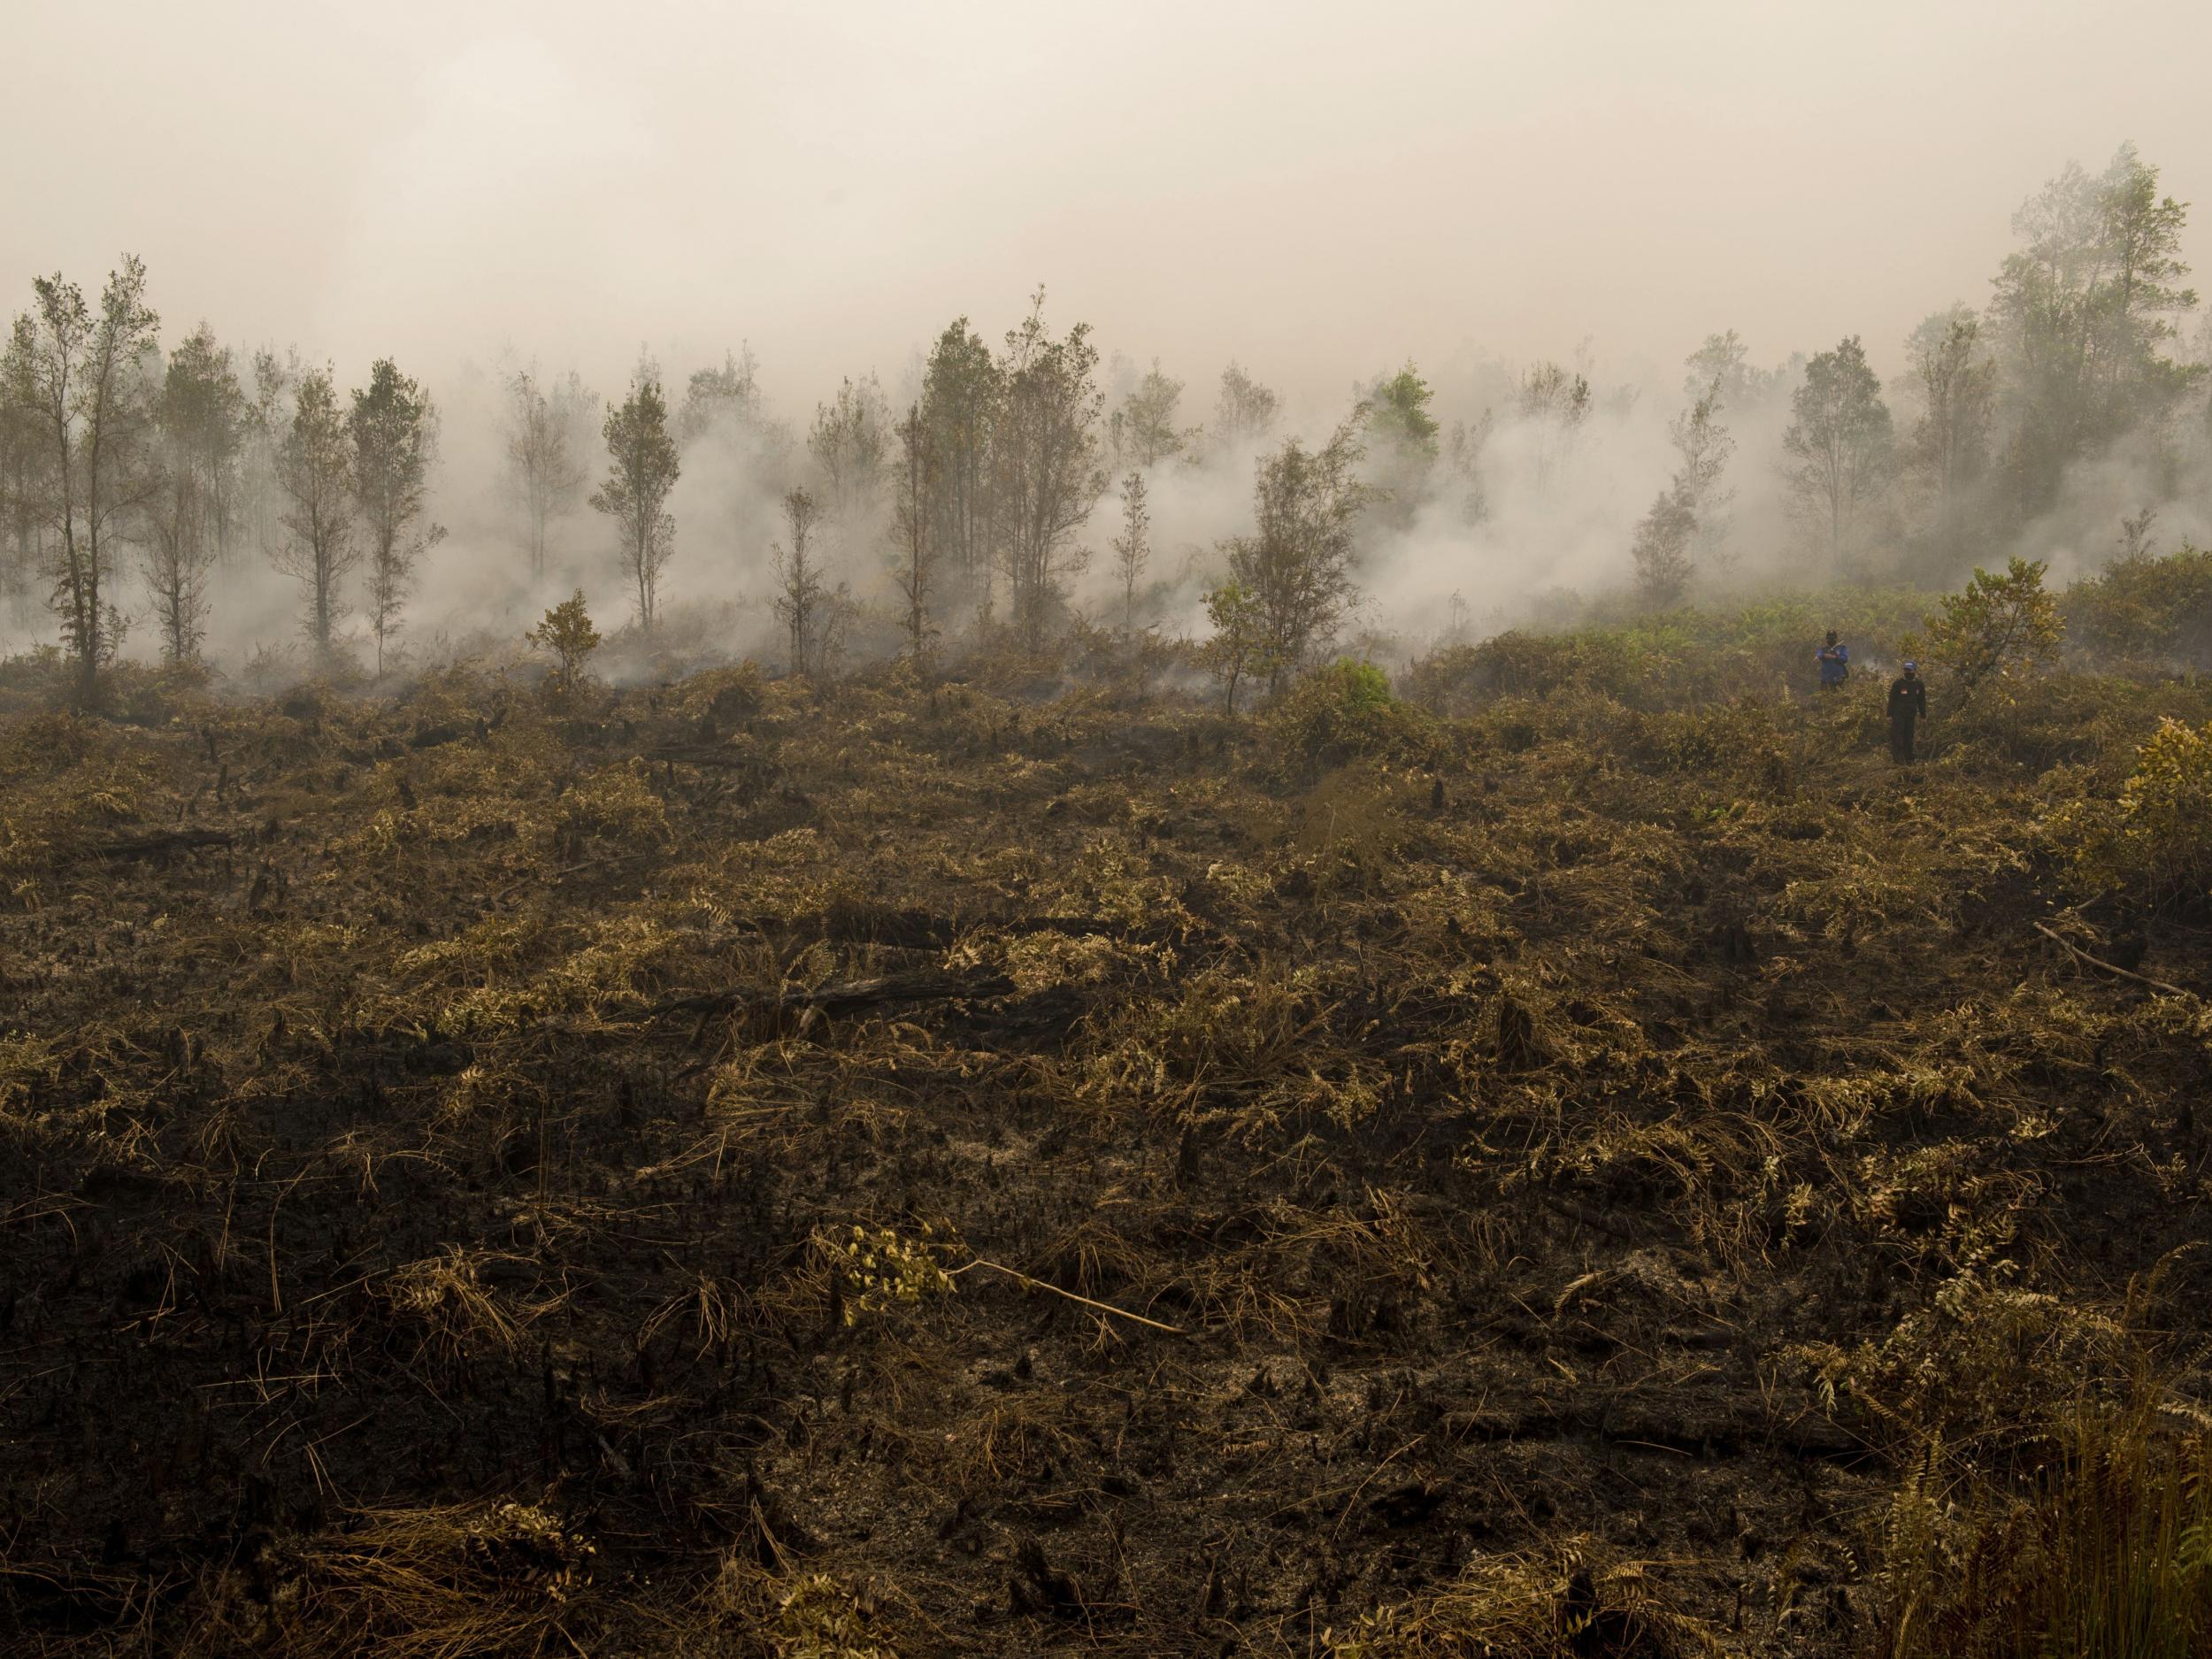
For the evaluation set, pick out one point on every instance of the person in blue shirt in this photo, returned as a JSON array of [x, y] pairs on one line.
[[1835, 663]]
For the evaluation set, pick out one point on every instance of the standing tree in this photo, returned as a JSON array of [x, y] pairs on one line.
[[1404, 444], [728, 396], [567, 632], [1144, 428], [1947, 448], [1690, 510], [314, 468], [1046, 476], [83, 378], [1245, 411], [24, 463], [545, 470], [963, 398], [642, 468], [2134, 540], [850, 446], [1462, 455], [1554, 404], [178, 555], [802, 599], [394, 432], [1297, 567], [1398, 412], [268, 419], [1234, 611], [1839, 450], [1722, 364], [915, 572], [1133, 547], [1705, 447], [2086, 316], [1662, 548], [178, 527], [204, 430]]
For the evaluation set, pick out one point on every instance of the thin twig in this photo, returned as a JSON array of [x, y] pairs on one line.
[[2099, 962], [553, 876], [276, 1287], [1038, 1284]]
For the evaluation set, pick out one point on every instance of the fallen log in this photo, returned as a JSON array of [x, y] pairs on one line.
[[842, 998], [154, 846], [713, 754]]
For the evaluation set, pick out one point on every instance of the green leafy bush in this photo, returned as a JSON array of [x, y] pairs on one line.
[[1338, 713], [2145, 614], [1660, 661], [567, 632], [2155, 839], [2001, 625]]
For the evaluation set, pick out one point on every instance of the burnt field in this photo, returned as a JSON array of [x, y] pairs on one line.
[[740, 1169]]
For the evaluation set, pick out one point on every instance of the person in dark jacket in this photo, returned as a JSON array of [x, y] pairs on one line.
[[1908, 705]]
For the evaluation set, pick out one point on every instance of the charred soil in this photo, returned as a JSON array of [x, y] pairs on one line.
[[739, 1169]]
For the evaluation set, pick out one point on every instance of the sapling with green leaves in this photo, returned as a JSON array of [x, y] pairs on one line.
[[567, 632]]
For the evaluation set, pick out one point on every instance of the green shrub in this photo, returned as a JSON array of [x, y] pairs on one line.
[[1662, 661], [1338, 713], [1361, 688], [2144, 614], [2000, 626], [2155, 839], [567, 632]]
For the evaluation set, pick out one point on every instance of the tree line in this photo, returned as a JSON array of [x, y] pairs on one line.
[[109, 451], [2078, 353], [972, 507]]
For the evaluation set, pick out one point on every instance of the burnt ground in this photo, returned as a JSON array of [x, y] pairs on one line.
[[1581, 1166]]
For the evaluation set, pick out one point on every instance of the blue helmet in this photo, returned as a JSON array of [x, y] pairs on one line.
[[1912, 668]]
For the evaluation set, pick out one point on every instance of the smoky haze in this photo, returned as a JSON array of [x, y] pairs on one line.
[[1315, 191], [1320, 193]]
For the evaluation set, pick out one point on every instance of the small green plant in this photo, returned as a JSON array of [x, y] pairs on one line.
[[1235, 650], [567, 632], [879, 1269], [1361, 687], [818, 1619]]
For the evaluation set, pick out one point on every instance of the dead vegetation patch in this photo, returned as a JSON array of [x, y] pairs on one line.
[[736, 1169]]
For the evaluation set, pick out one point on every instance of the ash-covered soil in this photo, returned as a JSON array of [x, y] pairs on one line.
[[1547, 1179]]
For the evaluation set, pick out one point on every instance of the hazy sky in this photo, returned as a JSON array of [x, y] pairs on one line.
[[1318, 188]]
